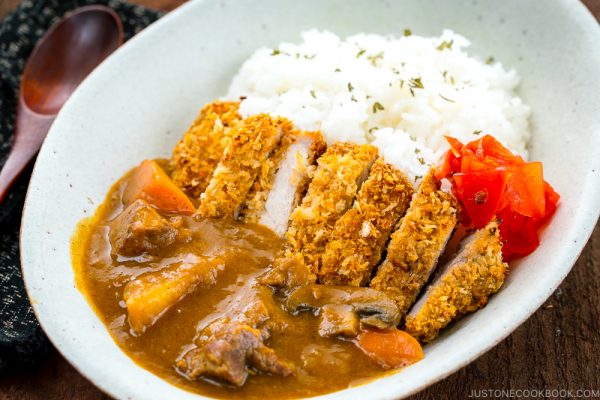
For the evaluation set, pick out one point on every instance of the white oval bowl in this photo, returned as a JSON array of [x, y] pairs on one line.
[[138, 103]]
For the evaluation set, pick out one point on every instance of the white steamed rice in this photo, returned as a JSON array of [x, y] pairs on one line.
[[400, 94]]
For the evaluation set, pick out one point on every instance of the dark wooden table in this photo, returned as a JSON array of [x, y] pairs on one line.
[[558, 348]]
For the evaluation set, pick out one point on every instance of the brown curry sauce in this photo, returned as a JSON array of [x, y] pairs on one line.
[[322, 364]]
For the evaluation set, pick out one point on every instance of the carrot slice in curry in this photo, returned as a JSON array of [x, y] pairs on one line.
[[151, 183], [390, 348]]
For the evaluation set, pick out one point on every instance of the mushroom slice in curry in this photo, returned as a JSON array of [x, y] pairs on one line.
[[373, 307]]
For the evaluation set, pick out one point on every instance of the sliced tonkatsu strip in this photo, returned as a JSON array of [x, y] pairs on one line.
[[417, 244], [252, 144], [339, 174], [463, 286], [282, 180], [361, 233], [197, 154]]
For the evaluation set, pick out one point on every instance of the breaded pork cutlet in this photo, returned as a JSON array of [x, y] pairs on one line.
[[197, 154], [255, 139], [360, 235], [332, 189], [417, 244], [463, 286], [283, 180]]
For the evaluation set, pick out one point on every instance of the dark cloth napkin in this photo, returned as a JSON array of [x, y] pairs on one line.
[[22, 342]]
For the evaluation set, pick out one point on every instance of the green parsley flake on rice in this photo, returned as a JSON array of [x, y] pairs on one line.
[[400, 94]]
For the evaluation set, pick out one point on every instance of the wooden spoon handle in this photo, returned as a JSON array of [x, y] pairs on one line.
[[14, 166], [30, 132]]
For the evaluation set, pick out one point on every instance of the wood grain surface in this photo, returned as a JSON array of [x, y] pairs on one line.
[[558, 348]]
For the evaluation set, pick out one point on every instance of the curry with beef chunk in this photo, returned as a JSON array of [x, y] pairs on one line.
[[258, 262]]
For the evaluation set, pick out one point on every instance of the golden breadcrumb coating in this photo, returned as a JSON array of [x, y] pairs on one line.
[[317, 149], [465, 285], [418, 242], [360, 234], [255, 202], [253, 142], [197, 154], [335, 182]]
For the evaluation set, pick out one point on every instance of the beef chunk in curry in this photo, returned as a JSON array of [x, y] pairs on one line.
[[140, 229], [228, 346], [227, 350], [287, 273]]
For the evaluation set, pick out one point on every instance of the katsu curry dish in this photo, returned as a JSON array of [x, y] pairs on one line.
[[342, 206]]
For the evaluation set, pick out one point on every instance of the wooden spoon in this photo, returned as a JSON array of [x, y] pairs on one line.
[[68, 52]]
